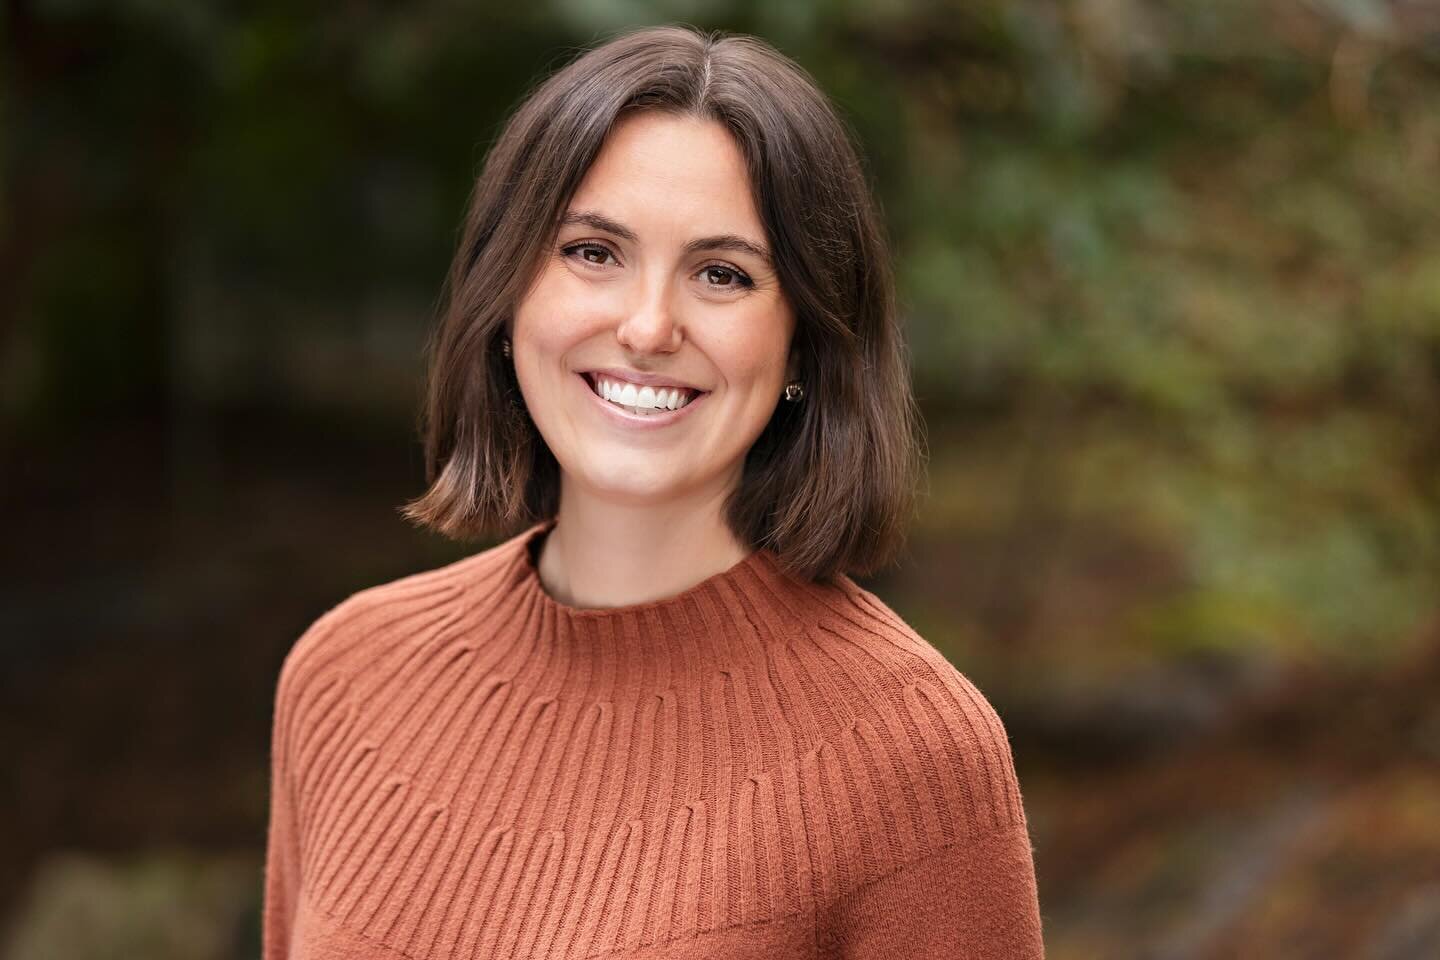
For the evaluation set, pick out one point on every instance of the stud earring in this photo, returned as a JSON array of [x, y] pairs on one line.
[[794, 390], [505, 346]]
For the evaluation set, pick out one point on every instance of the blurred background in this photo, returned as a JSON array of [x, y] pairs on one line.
[[1171, 274]]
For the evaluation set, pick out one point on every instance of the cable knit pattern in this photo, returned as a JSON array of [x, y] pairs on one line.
[[758, 766]]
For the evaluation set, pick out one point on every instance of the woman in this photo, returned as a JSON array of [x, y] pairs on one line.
[[660, 720]]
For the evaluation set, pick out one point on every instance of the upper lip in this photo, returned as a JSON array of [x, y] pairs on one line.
[[635, 376]]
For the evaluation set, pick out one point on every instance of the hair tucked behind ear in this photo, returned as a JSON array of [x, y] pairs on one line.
[[830, 483]]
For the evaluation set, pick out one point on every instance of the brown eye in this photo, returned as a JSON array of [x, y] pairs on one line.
[[733, 277], [589, 252]]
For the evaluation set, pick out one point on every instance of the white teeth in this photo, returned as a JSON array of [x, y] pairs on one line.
[[643, 400]]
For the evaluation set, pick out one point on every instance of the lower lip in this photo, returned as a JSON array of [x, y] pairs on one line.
[[634, 420]]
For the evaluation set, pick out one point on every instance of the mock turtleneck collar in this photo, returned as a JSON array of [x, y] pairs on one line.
[[532, 538], [729, 615]]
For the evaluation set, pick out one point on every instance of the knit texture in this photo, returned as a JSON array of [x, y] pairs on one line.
[[759, 766]]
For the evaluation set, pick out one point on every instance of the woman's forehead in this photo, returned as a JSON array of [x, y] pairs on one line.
[[655, 161]]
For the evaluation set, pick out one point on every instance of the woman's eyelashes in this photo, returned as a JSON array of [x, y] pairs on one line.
[[604, 251], [739, 279]]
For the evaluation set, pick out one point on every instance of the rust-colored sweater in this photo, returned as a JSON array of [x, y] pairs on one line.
[[757, 767]]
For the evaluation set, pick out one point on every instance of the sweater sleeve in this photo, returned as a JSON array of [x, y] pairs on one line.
[[282, 851], [975, 899], [283, 843], [960, 881]]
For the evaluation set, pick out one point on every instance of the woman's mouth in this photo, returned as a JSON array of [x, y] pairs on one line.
[[641, 404]]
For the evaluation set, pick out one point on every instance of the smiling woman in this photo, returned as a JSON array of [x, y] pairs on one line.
[[660, 718], [704, 190]]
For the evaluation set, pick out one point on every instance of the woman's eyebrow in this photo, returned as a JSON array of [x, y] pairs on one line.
[[724, 241]]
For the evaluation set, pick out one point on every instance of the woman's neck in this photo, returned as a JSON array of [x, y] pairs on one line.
[[602, 554]]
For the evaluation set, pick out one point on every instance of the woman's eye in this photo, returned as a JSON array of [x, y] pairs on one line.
[[729, 277], [589, 252]]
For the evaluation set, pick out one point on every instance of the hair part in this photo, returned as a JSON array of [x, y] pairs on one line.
[[830, 484]]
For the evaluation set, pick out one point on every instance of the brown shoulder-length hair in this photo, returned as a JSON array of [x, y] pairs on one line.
[[829, 485]]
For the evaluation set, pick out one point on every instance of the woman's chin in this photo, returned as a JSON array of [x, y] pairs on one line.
[[639, 483]]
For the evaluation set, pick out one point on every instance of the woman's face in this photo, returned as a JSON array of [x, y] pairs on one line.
[[660, 276]]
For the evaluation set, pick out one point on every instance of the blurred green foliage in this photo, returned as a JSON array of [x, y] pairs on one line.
[[1180, 259]]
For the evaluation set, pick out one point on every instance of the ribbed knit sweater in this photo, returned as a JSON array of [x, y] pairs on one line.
[[760, 766]]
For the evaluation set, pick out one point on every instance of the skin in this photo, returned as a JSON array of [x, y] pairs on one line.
[[640, 515]]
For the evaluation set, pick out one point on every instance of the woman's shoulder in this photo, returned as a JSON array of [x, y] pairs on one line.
[[944, 740], [369, 623], [886, 651]]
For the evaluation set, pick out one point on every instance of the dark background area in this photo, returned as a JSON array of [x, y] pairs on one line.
[[1171, 274]]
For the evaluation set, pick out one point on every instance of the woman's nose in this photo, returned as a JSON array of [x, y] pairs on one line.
[[651, 325]]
